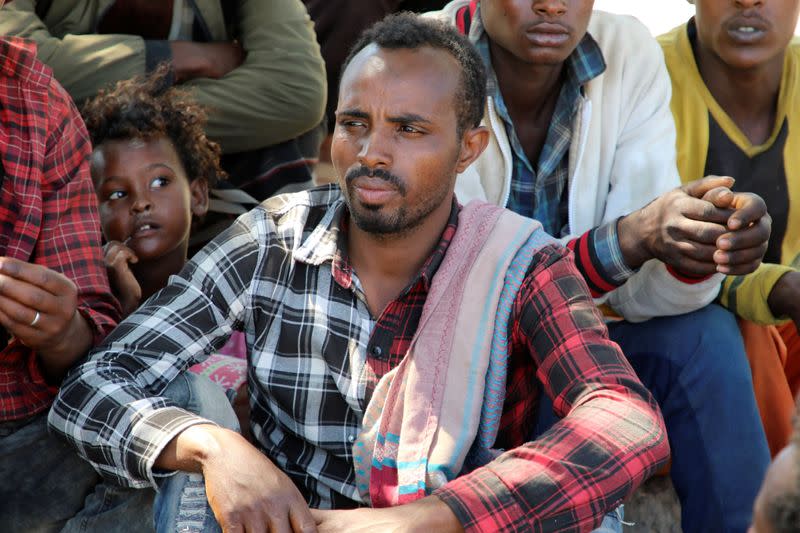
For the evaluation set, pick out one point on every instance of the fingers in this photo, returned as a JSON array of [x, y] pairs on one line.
[[700, 187], [750, 208], [301, 519], [706, 209], [34, 275], [740, 252], [20, 299], [721, 197], [117, 255]]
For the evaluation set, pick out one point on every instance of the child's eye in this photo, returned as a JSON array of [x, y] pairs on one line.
[[116, 195], [160, 181]]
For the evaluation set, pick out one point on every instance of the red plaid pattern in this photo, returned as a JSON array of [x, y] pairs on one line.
[[48, 210]]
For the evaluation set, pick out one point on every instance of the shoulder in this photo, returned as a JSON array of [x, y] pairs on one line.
[[20, 65], [624, 41], [290, 217], [448, 12]]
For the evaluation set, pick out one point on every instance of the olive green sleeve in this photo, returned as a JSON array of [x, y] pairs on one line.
[[279, 91], [82, 62]]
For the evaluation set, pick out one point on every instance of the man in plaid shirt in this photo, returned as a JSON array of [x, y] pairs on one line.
[[329, 286], [55, 302]]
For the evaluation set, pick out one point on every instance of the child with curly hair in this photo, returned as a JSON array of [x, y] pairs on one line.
[[152, 167]]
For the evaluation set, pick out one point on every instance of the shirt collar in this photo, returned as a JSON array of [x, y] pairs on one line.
[[328, 242]]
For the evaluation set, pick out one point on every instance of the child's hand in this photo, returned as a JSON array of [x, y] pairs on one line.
[[127, 290]]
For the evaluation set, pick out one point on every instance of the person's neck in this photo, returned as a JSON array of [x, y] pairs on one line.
[[153, 275], [386, 264], [749, 97], [528, 90]]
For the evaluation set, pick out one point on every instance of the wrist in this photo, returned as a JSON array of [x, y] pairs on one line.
[[632, 239], [435, 515], [187, 61], [192, 449], [784, 298], [60, 357]]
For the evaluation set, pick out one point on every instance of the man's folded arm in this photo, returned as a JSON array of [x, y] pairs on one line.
[[611, 437]]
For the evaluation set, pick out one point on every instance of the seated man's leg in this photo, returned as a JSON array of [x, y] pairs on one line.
[[181, 503], [48, 487], [695, 366]]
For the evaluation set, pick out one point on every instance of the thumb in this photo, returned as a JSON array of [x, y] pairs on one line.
[[699, 188]]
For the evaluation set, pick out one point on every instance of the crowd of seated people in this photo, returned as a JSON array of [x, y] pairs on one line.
[[558, 257]]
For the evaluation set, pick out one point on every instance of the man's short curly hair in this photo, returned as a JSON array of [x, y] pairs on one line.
[[410, 31], [783, 512], [147, 108]]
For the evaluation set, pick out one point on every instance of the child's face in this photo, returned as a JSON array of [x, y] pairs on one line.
[[146, 199]]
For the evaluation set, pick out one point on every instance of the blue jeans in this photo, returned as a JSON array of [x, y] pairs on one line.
[[46, 486], [695, 367], [180, 504]]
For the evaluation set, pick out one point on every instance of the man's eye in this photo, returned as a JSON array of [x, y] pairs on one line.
[[160, 181], [351, 124], [116, 195], [409, 129]]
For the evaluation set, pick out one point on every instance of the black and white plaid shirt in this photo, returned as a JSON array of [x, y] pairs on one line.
[[272, 275]]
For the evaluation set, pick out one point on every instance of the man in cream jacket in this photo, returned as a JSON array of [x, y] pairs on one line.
[[582, 139]]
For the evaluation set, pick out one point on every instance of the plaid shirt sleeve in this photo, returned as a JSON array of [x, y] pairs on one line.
[[611, 437], [122, 380], [69, 240], [57, 224]]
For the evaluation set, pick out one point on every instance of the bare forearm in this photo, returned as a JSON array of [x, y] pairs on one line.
[[784, 299], [191, 448]]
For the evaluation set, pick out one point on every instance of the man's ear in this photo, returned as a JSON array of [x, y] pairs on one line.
[[199, 196], [473, 143]]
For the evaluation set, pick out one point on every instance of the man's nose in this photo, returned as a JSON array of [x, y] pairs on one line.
[[376, 149], [549, 8]]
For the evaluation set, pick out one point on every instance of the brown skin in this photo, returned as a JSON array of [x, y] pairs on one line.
[[397, 113], [743, 73], [144, 182], [528, 68], [529, 41], [61, 335], [781, 477], [192, 60]]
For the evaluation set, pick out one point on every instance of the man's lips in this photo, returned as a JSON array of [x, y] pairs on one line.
[[547, 34], [746, 30], [373, 190]]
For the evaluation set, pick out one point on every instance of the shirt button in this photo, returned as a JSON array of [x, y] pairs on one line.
[[351, 438], [376, 351]]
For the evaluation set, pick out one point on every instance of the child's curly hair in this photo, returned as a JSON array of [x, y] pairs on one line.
[[148, 108]]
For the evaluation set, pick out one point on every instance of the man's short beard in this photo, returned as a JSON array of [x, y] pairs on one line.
[[369, 219]]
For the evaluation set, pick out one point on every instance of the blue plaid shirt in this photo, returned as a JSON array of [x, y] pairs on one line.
[[541, 193]]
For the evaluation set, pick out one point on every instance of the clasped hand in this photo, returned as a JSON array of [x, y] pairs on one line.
[[699, 229]]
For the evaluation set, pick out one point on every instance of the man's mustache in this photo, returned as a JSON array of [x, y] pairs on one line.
[[379, 173]]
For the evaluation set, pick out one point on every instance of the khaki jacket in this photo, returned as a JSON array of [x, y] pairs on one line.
[[277, 94]]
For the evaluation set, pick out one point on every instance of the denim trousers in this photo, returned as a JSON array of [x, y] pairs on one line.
[[47, 487], [180, 503], [696, 368]]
